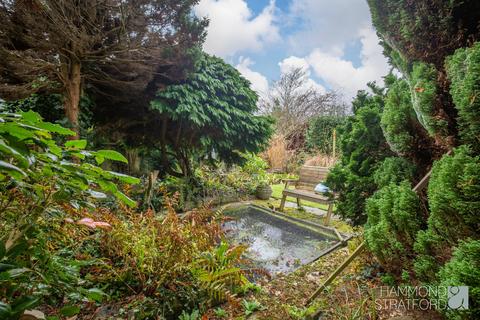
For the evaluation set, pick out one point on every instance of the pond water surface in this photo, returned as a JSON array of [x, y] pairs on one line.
[[274, 244]]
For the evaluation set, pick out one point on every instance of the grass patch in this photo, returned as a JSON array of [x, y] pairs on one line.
[[277, 193]]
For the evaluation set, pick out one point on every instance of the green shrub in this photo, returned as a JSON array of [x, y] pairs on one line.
[[464, 270], [393, 222], [425, 30], [363, 147], [429, 247], [218, 274], [43, 183], [463, 69], [454, 195], [394, 170], [423, 82], [175, 259], [397, 118], [454, 199], [215, 185]]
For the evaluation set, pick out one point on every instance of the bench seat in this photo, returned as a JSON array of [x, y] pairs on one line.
[[306, 195], [310, 176]]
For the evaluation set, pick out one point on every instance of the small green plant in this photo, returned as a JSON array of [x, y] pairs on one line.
[[217, 272], [299, 313], [251, 287], [405, 275], [195, 315], [388, 279], [220, 313], [250, 306]]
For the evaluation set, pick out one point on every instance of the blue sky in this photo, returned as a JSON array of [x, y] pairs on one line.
[[333, 41]]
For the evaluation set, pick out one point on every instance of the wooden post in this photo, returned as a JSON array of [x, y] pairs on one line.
[[336, 272], [298, 203], [329, 214], [282, 203], [334, 142]]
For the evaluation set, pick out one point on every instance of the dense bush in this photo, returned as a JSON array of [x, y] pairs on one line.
[[394, 170], [423, 80], [418, 36], [401, 127], [464, 270], [454, 199], [393, 222], [40, 183], [60, 243], [396, 118], [425, 30], [463, 70], [319, 134], [175, 259], [454, 195], [363, 147]]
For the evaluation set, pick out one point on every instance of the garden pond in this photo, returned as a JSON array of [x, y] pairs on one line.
[[277, 243]]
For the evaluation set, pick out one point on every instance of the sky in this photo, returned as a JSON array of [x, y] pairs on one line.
[[334, 41]]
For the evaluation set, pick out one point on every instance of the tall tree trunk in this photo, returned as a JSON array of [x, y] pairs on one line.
[[134, 161], [73, 82]]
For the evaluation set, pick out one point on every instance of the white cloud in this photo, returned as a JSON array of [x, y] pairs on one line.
[[342, 75], [328, 25], [259, 82], [293, 62], [233, 27]]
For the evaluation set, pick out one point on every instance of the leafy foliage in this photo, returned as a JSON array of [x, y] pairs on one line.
[[173, 258], [393, 222], [250, 306], [213, 185], [394, 170], [396, 118], [463, 70], [210, 115], [424, 94], [218, 273], [425, 30], [464, 270], [41, 182], [453, 195], [363, 147]]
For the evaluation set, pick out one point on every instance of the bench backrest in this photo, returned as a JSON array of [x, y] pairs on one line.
[[310, 176]]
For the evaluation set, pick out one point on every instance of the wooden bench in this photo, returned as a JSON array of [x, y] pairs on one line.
[[309, 177]]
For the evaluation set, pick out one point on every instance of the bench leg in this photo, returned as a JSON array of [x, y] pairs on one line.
[[282, 203], [329, 214], [298, 203]]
